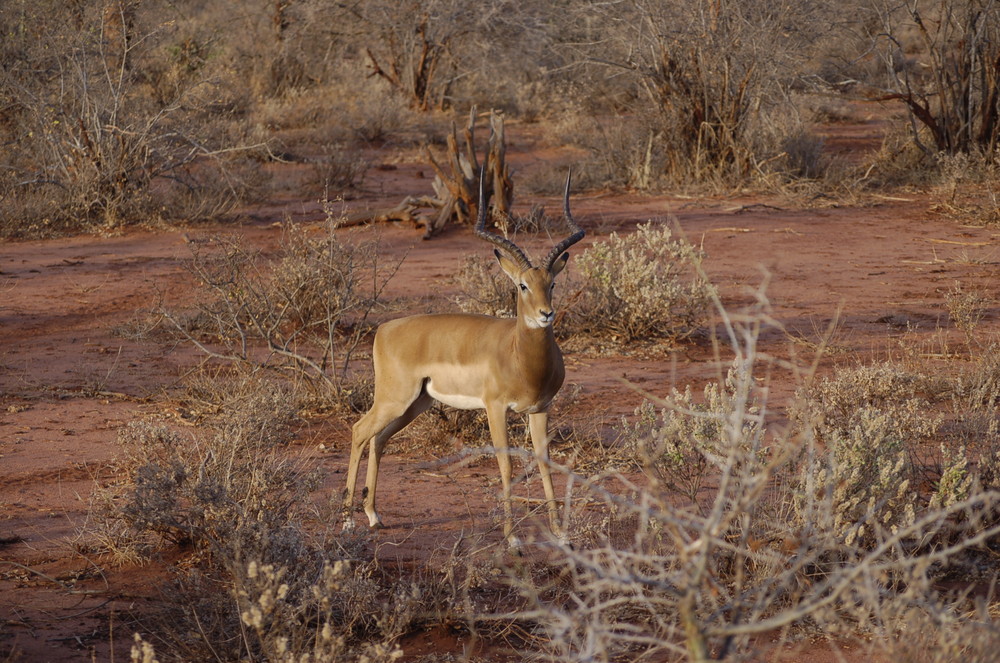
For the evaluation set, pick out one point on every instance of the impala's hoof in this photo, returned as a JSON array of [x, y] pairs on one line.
[[348, 525], [378, 525]]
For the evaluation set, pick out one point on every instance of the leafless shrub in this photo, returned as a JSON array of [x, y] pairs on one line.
[[803, 154], [966, 309], [979, 386], [950, 629], [202, 491], [302, 315], [90, 146], [627, 151], [954, 94], [338, 169], [706, 85], [268, 580], [641, 286], [413, 46]]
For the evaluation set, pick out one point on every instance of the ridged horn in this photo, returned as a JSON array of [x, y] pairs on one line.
[[577, 232], [510, 247]]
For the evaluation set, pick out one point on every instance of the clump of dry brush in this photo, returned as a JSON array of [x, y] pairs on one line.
[[267, 575], [733, 532], [300, 315]]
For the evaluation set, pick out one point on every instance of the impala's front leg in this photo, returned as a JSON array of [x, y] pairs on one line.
[[496, 415], [538, 426]]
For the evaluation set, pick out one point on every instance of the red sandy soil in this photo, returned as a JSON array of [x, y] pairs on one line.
[[68, 382]]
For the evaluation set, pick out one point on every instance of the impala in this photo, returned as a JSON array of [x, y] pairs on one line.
[[471, 362]]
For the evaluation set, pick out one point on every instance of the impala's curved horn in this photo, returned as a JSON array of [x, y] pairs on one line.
[[510, 247], [577, 232]]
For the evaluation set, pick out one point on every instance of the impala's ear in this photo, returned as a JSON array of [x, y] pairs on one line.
[[509, 267], [558, 264]]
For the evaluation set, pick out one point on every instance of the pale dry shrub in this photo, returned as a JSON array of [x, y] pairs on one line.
[[897, 162], [642, 286], [265, 577], [978, 386], [93, 144], [870, 420], [966, 308], [209, 490], [682, 445], [960, 628], [484, 288], [291, 616], [869, 477], [834, 404]]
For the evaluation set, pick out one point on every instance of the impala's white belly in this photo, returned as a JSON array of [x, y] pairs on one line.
[[459, 401]]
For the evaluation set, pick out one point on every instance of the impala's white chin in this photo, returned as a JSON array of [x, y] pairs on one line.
[[538, 323]]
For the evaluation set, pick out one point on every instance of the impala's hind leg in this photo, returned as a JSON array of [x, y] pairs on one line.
[[375, 428]]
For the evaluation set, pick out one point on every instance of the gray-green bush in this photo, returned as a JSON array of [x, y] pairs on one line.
[[644, 285]]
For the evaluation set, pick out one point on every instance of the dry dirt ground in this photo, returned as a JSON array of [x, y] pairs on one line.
[[68, 382]]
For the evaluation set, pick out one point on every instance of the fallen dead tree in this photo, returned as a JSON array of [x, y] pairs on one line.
[[456, 184]]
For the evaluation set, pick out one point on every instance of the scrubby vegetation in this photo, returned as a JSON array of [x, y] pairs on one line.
[[118, 112], [707, 526], [720, 531]]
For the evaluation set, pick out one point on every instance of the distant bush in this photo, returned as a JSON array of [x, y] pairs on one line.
[[484, 288]]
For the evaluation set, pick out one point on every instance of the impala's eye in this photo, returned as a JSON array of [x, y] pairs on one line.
[[524, 288]]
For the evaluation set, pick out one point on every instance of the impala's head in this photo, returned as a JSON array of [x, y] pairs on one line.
[[534, 284], [534, 289]]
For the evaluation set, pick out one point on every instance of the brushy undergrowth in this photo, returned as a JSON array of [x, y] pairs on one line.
[[719, 531], [301, 314], [266, 577], [842, 524]]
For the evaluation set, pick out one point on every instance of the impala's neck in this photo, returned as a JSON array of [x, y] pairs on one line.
[[536, 351]]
